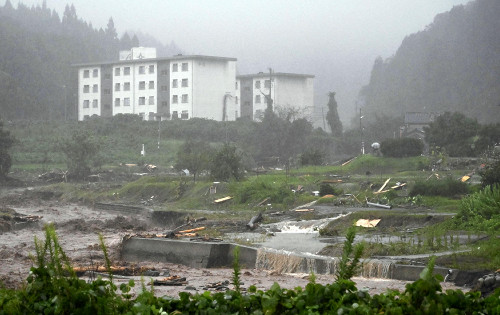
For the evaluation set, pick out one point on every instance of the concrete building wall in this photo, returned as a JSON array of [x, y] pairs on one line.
[[295, 93], [106, 91], [213, 91], [181, 88], [89, 92]]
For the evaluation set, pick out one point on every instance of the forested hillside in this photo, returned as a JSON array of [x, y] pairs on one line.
[[452, 65], [37, 50]]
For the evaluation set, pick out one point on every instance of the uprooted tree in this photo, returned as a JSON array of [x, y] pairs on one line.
[[81, 150], [6, 142]]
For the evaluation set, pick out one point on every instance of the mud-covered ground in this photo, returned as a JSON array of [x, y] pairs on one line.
[[78, 227]]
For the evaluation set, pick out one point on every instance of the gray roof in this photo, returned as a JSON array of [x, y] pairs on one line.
[[172, 58], [420, 118]]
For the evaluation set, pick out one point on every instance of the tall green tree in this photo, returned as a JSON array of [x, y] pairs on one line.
[[81, 149], [332, 117], [226, 164], [6, 142], [454, 132], [193, 156]]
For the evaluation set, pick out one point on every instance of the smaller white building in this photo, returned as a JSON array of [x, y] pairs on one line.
[[288, 91]]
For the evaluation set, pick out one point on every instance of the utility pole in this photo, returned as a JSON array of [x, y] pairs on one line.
[[361, 130]]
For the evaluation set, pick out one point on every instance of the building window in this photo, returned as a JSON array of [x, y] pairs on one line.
[[257, 99], [142, 85], [117, 102], [142, 70], [107, 106], [267, 84], [184, 114], [236, 100], [86, 88], [126, 71], [126, 86], [86, 73], [247, 88], [107, 76], [151, 69], [151, 116], [141, 115], [151, 85], [235, 114], [175, 67], [95, 88], [184, 83], [257, 84], [126, 101], [164, 72], [236, 85], [142, 100], [94, 103], [107, 91], [174, 83], [117, 72], [164, 88], [95, 73], [184, 98], [86, 103], [175, 99], [151, 100], [117, 87], [164, 103], [175, 115], [185, 66]]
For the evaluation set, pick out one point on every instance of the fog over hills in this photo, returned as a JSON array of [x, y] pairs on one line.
[[337, 41]]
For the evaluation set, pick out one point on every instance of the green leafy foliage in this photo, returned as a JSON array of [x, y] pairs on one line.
[[193, 156], [226, 164], [332, 116], [402, 147], [447, 187], [453, 132], [6, 142], [81, 150], [480, 210], [490, 174]]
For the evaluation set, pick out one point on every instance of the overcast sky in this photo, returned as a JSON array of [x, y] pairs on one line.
[[335, 40]]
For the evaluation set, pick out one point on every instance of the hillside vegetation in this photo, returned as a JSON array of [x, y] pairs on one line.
[[452, 65]]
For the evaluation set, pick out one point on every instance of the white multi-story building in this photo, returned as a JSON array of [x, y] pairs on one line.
[[175, 87], [287, 91], [182, 87]]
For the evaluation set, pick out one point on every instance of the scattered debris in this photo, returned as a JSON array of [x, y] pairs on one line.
[[381, 189], [201, 228], [367, 222], [221, 200], [349, 161], [304, 210], [378, 205], [206, 238], [327, 196], [254, 220], [398, 186], [218, 286], [263, 202], [331, 181], [171, 281]]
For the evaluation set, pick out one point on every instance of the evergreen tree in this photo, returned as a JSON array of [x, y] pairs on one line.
[[332, 117]]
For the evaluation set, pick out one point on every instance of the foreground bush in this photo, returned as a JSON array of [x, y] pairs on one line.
[[53, 288], [402, 147], [481, 210]]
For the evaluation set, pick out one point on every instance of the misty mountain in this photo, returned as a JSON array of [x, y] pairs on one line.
[[37, 49], [452, 65], [162, 50]]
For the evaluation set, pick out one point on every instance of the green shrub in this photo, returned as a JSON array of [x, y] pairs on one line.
[[447, 187], [480, 210], [402, 147], [490, 175], [327, 189]]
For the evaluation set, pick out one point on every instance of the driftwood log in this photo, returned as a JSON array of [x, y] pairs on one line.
[[252, 224]]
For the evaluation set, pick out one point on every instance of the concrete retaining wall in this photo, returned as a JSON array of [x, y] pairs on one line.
[[217, 255]]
